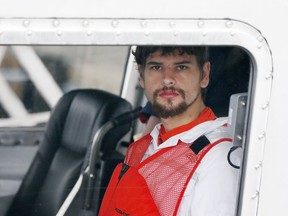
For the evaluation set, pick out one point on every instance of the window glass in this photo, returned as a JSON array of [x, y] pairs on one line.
[[24, 73]]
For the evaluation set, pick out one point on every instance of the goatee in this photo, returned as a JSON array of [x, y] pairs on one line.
[[169, 110], [165, 112]]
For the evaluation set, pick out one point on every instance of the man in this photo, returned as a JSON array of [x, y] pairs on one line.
[[181, 167]]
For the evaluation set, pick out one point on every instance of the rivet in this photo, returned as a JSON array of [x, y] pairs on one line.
[[269, 76], [85, 23], [229, 24], [147, 33], [59, 33], [259, 46], [204, 34], [118, 33], [257, 166], [55, 23], [243, 103], [260, 38], [254, 196], [29, 32], [176, 33], [89, 33], [265, 106], [261, 136], [200, 24], [26, 23], [239, 137], [143, 24], [172, 24], [114, 23], [232, 33]]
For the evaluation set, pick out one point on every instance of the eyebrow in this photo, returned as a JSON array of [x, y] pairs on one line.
[[183, 62], [160, 63], [154, 63]]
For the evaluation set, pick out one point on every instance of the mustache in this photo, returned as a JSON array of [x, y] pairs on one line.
[[165, 88]]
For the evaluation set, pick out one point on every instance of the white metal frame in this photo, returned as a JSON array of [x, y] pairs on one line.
[[170, 32]]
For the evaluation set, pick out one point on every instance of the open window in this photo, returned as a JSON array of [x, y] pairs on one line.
[[33, 78]]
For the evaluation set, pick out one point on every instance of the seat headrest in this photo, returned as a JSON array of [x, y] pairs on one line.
[[79, 114]]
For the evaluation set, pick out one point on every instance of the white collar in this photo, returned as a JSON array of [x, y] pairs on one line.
[[187, 136]]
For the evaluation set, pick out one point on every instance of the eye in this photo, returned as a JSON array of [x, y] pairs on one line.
[[156, 67], [182, 67]]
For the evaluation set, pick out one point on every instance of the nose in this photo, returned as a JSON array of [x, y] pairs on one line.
[[168, 77]]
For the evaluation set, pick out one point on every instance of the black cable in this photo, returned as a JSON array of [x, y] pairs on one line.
[[229, 154]]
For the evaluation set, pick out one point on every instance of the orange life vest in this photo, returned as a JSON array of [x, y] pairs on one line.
[[156, 185]]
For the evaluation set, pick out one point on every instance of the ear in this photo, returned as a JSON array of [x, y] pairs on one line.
[[205, 76], [141, 78]]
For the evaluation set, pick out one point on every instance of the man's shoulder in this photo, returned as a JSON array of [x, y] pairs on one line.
[[220, 132], [144, 140]]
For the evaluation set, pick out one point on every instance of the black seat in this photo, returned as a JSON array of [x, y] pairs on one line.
[[63, 151]]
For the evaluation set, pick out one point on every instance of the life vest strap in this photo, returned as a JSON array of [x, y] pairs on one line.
[[124, 169], [200, 143]]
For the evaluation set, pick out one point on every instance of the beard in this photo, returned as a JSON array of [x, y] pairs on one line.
[[170, 110]]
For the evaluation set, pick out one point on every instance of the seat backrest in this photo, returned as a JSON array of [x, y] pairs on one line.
[[63, 151]]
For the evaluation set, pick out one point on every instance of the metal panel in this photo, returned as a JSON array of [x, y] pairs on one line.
[[237, 117]]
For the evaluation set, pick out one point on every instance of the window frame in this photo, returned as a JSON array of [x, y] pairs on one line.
[[217, 32]]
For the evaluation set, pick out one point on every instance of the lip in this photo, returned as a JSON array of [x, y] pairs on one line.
[[168, 94]]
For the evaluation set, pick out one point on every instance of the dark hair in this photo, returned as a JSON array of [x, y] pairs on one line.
[[142, 52], [201, 52]]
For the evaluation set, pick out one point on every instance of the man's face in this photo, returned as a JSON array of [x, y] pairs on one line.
[[173, 82]]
